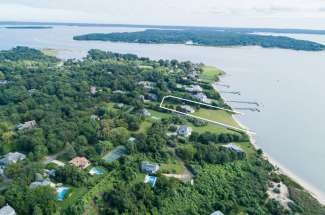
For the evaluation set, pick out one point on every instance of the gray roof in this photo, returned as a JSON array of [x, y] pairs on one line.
[[184, 130], [12, 157], [40, 183], [149, 167], [217, 213], [7, 210], [233, 147]]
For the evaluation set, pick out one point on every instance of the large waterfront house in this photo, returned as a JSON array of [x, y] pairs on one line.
[[233, 147], [150, 168], [11, 158], [194, 88], [202, 98]]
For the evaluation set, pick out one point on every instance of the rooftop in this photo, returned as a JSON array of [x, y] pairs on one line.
[[7, 210], [80, 162]]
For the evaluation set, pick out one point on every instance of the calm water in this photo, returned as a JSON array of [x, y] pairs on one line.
[[288, 84]]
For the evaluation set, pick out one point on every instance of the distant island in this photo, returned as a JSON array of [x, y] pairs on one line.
[[205, 38], [28, 27]]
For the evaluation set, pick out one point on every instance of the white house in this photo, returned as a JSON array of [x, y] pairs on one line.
[[184, 131], [194, 88], [7, 210], [26, 125], [11, 158], [44, 182], [187, 109], [147, 84], [93, 90], [202, 98], [217, 213]]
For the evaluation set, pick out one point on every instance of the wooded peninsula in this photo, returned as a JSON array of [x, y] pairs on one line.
[[89, 137], [205, 38]]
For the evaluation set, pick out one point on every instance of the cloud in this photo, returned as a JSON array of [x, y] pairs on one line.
[[263, 13]]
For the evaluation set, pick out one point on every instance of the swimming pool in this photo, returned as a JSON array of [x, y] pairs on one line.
[[150, 180], [61, 193], [95, 171]]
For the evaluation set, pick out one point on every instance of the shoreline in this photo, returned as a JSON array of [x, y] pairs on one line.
[[320, 197]]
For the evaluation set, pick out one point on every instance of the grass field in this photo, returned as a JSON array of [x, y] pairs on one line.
[[211, 128], [217, 115], [172, 168], [159, 115], [210, 74]]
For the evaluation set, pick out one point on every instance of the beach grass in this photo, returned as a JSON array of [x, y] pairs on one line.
[[210, 74]]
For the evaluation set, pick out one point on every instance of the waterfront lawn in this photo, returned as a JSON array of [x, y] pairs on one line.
[[210, 74], [211, 128], [248, 148], [217, 115]]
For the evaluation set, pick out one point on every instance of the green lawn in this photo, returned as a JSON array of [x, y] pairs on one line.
[[144, 126], [248, 148], [217, 115], [210, 74], [172, 168], [158, 114], [210, 128]]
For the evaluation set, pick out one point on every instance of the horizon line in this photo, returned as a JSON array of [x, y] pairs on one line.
[[98, 24]]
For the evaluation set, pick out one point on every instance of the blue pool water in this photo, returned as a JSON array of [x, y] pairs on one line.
[[61, 192], [150, 180], [95, 171]]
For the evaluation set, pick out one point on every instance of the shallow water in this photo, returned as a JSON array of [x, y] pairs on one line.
[[287, 84]]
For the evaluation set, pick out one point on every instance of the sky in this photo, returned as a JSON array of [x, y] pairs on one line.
[[224, 13]]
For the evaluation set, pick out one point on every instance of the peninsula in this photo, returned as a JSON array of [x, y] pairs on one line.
[[90, 136]]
